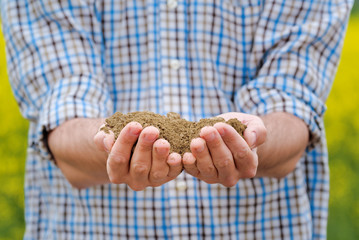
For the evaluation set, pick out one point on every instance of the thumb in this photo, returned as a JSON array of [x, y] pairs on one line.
[[255, 138], [104, 141], [251, 138]]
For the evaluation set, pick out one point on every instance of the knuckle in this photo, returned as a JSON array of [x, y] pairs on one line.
[[140, 169], [117, 159], [223, 163], [209, 171], [157, 176], [242, 153]]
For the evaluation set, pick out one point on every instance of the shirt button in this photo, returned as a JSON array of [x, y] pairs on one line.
[[175, 64], [181, 185], [172, 4]]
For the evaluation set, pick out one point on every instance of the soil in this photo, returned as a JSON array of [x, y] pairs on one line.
[[177, 131]]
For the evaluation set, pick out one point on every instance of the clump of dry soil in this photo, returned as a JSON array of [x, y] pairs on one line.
[[177, 131]]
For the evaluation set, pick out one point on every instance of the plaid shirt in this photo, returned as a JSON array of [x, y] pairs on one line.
[[200, 58]]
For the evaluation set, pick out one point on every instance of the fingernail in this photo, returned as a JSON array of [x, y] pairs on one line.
[[221, 131], [135, 131], [172, 159], [150, 137], [253, 139], [210, 136], [200, 148], [161, 150], [189, 159]]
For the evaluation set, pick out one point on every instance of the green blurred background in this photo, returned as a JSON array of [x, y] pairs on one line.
[[341, 120]]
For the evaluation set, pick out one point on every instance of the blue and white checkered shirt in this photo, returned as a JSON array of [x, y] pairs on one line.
[[200, 58]]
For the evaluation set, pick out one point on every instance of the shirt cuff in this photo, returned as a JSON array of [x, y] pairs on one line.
[[75, 97], [263, 101]]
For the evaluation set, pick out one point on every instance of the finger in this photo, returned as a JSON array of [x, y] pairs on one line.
[[175, 165], [255, 133], [108, 142], [104, 141], [221, 156], [203, 159], [245, 159], [142, 157], [189, 164], [119, 157], [159, 167], [99, 140]]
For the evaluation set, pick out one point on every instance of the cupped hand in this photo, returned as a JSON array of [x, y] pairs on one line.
[[150, 164], [221, 155]]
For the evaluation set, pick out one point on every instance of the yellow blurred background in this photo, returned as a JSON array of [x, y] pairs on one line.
[[341, 120]]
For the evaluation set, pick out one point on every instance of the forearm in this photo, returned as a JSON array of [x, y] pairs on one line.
[[76, 154], [287, 138]]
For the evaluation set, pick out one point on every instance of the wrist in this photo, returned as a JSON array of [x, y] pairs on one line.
[[72, 145], [287, 139]]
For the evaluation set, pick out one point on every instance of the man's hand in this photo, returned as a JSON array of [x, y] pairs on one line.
[[150, 164], [221, 155], [272, 146]]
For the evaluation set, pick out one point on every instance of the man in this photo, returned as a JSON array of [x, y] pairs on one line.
[[268, 63]]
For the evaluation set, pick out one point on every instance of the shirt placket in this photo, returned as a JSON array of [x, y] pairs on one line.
[[176, 92], [173, 58]]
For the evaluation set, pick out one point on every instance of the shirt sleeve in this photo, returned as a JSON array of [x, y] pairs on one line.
[[296, 50], [54, 60]]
